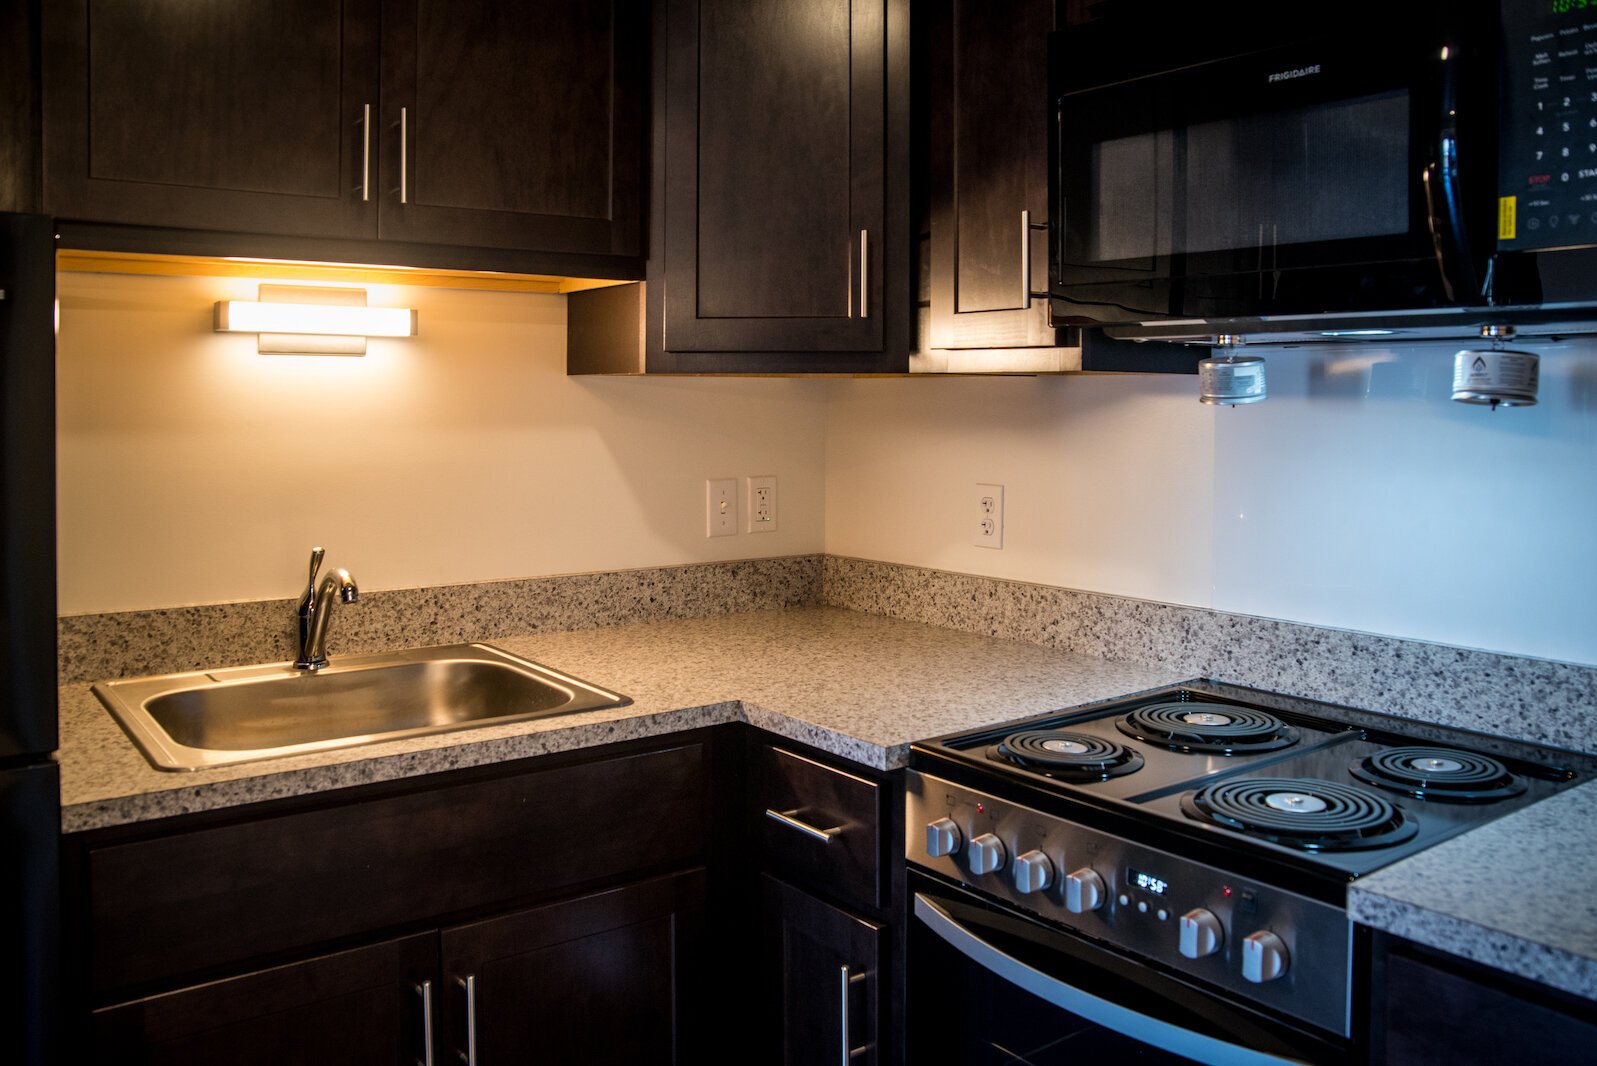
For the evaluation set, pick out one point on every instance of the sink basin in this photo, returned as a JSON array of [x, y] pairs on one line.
[[220, 717]]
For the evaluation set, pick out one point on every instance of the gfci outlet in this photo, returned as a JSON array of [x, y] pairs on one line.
[[762, 504], [721, 507], [989, 516]]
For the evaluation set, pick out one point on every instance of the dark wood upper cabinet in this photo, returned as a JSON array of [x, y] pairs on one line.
[[247, 115], [987, 72], [784, 140], [521, 125], [414, 123]]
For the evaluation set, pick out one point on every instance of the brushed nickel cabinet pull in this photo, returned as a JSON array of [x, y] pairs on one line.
[[469, 983], [864, 273], [815, 832], [425, 991], [1025, 260], [366, 153], [404, 156], [850, 1052]]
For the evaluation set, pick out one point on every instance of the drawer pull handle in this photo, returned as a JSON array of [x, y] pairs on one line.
[[786, 818], [425, 991], [365, 152]]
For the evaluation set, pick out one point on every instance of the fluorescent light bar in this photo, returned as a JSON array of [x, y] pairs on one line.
[[244, 316]]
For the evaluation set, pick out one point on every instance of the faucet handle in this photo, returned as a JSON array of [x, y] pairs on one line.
[[309, 597]]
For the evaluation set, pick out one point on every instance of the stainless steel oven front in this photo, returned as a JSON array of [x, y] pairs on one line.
[[1036, 940]]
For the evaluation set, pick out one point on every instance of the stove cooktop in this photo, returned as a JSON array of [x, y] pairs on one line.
[[1255, 772]]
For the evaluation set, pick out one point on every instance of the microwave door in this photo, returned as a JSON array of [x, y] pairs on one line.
[[1216, 192]]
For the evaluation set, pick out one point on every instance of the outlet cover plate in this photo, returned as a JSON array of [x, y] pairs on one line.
[[989, 516], [762, 504]]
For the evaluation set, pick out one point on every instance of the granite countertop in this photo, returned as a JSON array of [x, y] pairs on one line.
[[861, 686], [1514, 894], [865, 687]]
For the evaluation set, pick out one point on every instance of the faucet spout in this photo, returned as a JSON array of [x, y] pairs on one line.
[[338, 587]]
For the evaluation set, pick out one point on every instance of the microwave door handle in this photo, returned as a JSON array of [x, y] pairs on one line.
[[1160, 1034], [1451, 199]]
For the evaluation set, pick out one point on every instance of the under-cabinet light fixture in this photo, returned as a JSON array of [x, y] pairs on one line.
[[313, 319]]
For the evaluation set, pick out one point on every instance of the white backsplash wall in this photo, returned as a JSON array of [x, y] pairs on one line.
[[193, 470], [1358, 496]]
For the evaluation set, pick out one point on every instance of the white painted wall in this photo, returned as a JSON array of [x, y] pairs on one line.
[[1358, 496], [193, 470]]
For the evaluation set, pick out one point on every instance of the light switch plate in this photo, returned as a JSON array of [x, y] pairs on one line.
[[721, 507], [989, 516]]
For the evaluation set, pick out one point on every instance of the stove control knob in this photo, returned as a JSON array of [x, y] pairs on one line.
[[986, 854], [1264, 957], [1083, 891], [1201, 933], [1033, 872], [943, 837]]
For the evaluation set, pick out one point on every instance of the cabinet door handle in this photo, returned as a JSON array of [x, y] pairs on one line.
[[404, 156], [1025, 260], [813, 831], [425, 991], [469, 983], [864, 273], [845, 982], [365, 152]]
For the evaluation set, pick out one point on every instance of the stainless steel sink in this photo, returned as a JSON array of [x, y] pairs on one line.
[[220, 717]]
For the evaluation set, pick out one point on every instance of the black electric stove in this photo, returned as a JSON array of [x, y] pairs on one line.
[[1209, 832]]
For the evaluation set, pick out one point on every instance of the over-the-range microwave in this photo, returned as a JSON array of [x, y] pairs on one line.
[[1289, 172]]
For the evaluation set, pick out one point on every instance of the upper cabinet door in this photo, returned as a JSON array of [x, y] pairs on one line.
[[776, 148], [515, 125], [988, 80], [250, 115]]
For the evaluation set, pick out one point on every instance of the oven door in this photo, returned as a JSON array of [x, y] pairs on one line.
[[1316, 177], [989, 986]]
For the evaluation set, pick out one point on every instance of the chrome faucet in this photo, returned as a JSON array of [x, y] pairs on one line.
[[316, 609]]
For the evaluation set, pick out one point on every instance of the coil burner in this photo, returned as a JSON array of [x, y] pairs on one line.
[[1301, 813], [1067, 756], [1444, 774], [1207, 728]]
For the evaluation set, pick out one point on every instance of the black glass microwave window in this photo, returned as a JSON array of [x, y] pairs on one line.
[[1333, 171]]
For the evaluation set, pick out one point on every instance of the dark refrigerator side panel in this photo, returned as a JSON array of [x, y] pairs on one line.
[[27, 487], [29, 913], [30, 794]]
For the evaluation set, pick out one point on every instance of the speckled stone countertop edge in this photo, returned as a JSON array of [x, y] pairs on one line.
[[1499, 949]]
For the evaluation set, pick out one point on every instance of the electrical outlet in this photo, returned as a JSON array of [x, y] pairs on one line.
[[762, 504], [721, 507], [989, 516]]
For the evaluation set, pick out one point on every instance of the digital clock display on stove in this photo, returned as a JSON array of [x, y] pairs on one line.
[[1147, 882]]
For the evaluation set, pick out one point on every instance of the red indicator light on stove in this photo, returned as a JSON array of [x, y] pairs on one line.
[[981, 808], [1226, 891]]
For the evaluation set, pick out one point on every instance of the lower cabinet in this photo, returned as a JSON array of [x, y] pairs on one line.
[[820, 983], [356, 1007], [1432, 1009], [603, 978], [606, 977]]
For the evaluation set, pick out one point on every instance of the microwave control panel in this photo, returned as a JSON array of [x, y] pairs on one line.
[[1547, 184]]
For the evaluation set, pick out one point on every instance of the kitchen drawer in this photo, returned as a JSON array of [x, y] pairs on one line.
[[188, 902], [817, 826]]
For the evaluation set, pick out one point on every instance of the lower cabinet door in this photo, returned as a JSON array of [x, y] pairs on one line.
[[821, 982], [358, 1007], [603, 978]]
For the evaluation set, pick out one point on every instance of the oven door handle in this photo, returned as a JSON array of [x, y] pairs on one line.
[[1162, 1035]]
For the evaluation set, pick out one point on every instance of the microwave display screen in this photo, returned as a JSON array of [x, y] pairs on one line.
[[1330, 172]]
